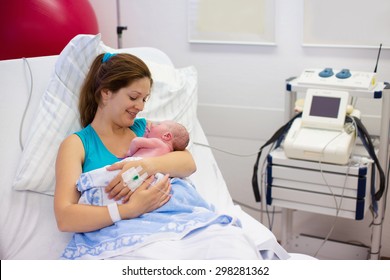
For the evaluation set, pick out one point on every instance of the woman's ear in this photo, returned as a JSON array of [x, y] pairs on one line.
[[106, 94]]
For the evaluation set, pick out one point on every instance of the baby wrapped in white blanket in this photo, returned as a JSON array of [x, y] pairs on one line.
[[185, 212]]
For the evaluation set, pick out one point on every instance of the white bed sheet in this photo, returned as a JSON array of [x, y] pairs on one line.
[[27, 224]]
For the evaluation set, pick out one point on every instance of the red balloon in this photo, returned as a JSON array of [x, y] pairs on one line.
[[30, 28]]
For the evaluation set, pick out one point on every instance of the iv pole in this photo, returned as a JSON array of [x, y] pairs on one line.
[[119, 28]]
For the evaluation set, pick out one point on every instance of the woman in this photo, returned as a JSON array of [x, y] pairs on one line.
[[115, 91], [145, 225]]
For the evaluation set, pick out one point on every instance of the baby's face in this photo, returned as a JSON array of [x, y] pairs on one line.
[[156, 130]]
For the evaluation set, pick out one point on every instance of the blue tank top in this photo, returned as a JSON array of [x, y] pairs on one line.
[[96, 154]]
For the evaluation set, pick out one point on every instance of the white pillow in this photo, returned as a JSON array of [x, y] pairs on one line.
[[174, 100], [174, 96]]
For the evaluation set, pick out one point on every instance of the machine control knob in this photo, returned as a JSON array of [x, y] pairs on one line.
[[326, 73], [343, 74]]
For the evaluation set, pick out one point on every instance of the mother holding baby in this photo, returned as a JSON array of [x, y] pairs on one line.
[[114, 92]]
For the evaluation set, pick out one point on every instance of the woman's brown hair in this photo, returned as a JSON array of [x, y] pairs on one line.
[[119, 71]]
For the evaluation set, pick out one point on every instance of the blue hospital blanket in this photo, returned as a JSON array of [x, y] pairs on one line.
[[184, 213]]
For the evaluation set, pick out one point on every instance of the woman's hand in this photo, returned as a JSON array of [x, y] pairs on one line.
[[177, 164], [147, 198], [117, 189]]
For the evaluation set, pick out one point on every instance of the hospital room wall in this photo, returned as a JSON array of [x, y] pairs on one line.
[[242, 87]]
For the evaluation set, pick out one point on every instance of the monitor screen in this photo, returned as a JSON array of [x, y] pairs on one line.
[[323, 106], [325, 109]]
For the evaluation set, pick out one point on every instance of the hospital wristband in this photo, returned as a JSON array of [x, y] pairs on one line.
[[113, 210]]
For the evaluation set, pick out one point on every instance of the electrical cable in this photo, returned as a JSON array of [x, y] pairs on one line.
[[387, 185], [367, 142], [384, 204], [251, 207], [337, 205], [277, 137], [263, 186], [359, 130], [224, 151], [270, 221], [27, 105]]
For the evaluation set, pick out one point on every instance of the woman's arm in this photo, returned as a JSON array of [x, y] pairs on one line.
[[177, 164], [74, 217], [70, 215]]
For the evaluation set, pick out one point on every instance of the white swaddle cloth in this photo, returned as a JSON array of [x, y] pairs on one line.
[[91, 184]]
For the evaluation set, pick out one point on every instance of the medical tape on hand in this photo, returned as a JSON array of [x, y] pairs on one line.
[[157, 178], [132, 179]]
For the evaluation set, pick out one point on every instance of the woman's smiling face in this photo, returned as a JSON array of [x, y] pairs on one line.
[[125, 104]]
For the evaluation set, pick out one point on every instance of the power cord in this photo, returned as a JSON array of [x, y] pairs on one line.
[[27, 105], [224, 151], [266, 210], [353, 128], [263, 185], [337, 204]]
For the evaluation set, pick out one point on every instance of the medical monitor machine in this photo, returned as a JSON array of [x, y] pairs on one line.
[[320, 134]]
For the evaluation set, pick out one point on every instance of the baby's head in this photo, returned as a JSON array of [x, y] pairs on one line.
[[181, 136], [170, 131]]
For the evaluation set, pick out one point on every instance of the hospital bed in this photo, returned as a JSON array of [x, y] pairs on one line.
[[39, 108]]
